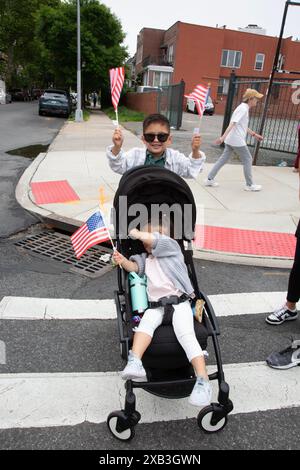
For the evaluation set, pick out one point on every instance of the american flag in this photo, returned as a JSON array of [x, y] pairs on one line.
[[199, 95], [116, 84], [92, 232]]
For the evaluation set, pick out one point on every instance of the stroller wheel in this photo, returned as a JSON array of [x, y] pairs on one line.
[[205, 421], [116, 423]]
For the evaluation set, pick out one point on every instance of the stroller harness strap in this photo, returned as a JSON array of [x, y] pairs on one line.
[[167, 303]]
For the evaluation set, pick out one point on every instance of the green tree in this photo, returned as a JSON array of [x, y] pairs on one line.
[[17, 39], [101, 39]]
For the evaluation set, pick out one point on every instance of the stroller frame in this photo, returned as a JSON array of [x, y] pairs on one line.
[[212, 418]]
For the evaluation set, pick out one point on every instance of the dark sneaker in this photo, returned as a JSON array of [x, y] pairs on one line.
[[289, 357], [281, 315]]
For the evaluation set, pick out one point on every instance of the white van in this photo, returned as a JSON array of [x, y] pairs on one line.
[[148, 89]]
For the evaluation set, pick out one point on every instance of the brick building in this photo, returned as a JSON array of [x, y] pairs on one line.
[[202, 54]]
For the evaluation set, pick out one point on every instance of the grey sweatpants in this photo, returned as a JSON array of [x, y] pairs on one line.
[[245, 157]]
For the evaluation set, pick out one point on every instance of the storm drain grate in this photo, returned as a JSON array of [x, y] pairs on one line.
[[94, 263]]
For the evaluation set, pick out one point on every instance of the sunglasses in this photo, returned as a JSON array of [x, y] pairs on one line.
[[161, 137]]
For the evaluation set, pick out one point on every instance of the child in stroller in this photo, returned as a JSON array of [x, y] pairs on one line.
[[168, 370], [165, 280]]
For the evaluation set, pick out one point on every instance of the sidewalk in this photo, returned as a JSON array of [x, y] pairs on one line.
[[65, 184]]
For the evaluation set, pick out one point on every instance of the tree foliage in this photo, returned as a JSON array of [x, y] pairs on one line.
[[18, 43], [40, 41]]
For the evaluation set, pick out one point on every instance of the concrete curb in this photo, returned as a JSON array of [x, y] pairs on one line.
[[25, 199], [245, 260]]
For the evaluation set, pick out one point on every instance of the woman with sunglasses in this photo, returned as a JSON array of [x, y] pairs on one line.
[[157, 139]]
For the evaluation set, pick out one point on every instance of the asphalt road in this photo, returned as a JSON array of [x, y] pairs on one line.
[[20, 126], [92, 346]]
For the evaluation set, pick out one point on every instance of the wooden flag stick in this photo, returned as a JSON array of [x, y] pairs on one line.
[[101, 207]]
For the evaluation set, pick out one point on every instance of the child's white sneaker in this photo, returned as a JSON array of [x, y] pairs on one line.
[[201, 393], [134, 369]]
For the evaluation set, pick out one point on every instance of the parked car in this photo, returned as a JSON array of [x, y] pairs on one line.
[[17, 94], [5, 97], [208, 109], [55, 101], [148, 89], [36, 93]]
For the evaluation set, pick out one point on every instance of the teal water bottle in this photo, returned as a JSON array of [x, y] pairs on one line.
[[138, 292]]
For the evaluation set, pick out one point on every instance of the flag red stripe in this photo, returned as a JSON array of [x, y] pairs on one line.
[[199, 95], [81, 251], [79, 233], [117, 81], [93, 236], [89, 244]]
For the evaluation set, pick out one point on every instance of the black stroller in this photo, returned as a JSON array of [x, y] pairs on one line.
[[169, 374]]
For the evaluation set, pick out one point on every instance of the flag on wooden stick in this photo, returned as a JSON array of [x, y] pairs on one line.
[[199, 95], [92, 232], [117, 76]]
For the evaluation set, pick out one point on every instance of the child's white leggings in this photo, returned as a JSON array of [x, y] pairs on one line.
[[183, 325]]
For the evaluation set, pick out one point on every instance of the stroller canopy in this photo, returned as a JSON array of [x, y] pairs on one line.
[[150, 186]]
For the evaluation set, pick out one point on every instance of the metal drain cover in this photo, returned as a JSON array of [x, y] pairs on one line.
[[94, 263]]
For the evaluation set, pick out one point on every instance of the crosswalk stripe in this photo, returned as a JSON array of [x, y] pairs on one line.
[[61, 399], [30, 308]]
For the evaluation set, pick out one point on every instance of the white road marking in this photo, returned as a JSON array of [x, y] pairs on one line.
[[30, 308], [60, 399]]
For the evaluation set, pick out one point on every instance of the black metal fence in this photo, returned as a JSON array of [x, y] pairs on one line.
[[170, 103], [283, 115]]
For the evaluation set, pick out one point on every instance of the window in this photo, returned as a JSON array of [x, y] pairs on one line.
[[139, 54], [231, 58], [259, 61], [170, 53], [223, 86], [161, 78]]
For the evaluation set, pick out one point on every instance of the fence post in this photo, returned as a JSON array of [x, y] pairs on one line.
[[271, 78], [180, 104], [229, 103]]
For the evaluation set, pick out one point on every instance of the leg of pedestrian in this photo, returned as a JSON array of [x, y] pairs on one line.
[[218, 165], [246, 159], [288, 311]]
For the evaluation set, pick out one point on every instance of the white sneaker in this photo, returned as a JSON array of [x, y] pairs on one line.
[[134, 369], [201, 393], [253, 187], [210, 183]]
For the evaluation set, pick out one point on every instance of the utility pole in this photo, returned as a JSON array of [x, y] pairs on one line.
[[78, 112], [271, 78]]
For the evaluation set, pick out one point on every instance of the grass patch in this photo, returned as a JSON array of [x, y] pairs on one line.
[[125, 114], [86, 115]]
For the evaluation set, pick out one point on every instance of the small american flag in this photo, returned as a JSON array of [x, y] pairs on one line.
[[116, 84], [199, 95], [92, 232]]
